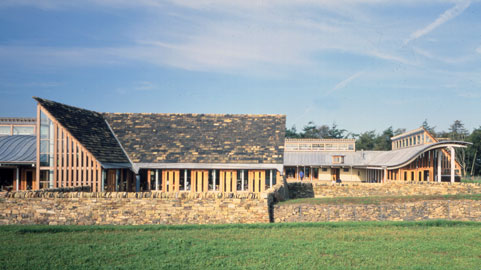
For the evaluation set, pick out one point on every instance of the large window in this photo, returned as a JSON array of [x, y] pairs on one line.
[[46, 141], [338, 159], [20, 130], [5, 130]]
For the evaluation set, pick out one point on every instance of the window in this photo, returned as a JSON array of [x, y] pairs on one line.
[[346, 169], [351, 146], [315, 173], [343, 146], [291, 172], [330, 146], [46, 141], [21, 130], [5, 130], [318, 146], [414, 140], [338, 159], [304, 147], [292, 146], [324, 169]]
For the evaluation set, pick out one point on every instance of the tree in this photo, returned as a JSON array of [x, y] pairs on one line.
[[310, 131], [429, 128], [473, 152], [292, 132], [457, 132], [399, 131], [335, 133], [383, 141], [366, 140]]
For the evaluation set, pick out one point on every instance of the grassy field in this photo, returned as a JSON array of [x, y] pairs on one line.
[[475, 179], [361, 245], [382, 199]]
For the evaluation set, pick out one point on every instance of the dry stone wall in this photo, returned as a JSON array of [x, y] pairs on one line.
[[467, 210], [328, 190], [80, 208]]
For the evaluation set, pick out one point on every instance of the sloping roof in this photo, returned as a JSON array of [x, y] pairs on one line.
[[387, 159], [200, 138], [18, 149], [399, 157], [89, 128]]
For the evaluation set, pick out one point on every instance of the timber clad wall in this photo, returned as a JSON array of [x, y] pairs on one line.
[[200, 138]]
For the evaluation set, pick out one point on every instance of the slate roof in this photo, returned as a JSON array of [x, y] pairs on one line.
[[363, 158], [18, 149], [200, 138], [89, 128]]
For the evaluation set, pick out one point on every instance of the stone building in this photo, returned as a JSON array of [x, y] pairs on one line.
[[164, 152], [415, 156]]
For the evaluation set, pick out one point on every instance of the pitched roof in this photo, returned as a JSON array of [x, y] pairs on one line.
[[200, 138], [18, 149], [89, 128]]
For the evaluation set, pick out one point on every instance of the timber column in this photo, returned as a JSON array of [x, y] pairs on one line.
[[453, 164], [440, 155]]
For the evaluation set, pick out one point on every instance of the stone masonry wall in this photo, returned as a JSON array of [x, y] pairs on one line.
[[420, 210], [328, 190], [57, 208]]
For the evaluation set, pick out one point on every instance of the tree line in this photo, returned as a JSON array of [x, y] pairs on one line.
[[469, 158]]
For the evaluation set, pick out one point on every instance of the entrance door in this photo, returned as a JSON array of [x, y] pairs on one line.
[[200, 180], [170, 180], [256, 180], [334, 174], [111, 176], [228, 181]]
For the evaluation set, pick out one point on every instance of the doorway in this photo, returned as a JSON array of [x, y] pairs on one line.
[[335, 174]]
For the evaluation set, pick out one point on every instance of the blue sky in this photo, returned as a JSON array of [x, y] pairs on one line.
[[362, 64]]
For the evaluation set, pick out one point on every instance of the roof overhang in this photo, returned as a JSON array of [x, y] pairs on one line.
[[225, 166], [434, 146]]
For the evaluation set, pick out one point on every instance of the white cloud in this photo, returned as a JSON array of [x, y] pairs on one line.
[[344, 82], [478, 50], [446, 16], [144, 86]]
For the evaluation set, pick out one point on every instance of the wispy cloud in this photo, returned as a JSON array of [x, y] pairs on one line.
[[478, 50], [144, 86], [344, 82], [446, 16]]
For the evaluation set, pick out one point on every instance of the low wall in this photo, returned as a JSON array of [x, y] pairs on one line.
[[123, 208], [132, 208], [329, 190], [420, 210]]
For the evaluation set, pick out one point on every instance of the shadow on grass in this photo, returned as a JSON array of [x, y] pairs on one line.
[[25, 229]]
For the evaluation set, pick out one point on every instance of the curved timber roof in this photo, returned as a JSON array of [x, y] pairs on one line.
[[376, 159]]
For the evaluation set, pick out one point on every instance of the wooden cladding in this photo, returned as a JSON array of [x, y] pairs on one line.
[[197, 181], [228, 181], [170, 181], [256, 180], [200, 180], [72, 164]]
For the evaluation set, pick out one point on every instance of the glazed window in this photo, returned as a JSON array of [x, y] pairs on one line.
[[338, 159]]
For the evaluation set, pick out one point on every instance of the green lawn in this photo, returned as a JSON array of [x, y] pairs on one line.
[[361, 245], [382, 199]]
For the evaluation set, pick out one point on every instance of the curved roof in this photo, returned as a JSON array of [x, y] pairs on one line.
[[401, 157], [390, 159], [18, 149]]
